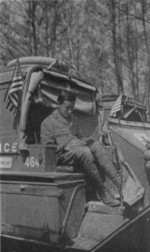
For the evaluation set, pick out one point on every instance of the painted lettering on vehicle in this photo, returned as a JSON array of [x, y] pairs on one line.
[[142, 137], [8, 147], [31, 162]]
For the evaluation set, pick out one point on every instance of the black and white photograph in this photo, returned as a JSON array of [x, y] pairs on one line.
[[75, 125]]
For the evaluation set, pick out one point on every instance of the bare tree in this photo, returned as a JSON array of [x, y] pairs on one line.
[[115, 44], [147, 89]]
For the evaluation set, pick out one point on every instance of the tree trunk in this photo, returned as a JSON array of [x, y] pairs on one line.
[[115, 47], [147, 89]]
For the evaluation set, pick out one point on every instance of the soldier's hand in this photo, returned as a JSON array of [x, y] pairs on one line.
[[74, 144]]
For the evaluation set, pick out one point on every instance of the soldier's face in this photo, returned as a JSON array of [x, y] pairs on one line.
[[66, 108]]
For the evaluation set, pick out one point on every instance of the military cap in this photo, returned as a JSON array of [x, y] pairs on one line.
[[66, 95]]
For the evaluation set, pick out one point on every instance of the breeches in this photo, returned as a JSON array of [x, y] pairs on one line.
[[83, 157], [93, 161]]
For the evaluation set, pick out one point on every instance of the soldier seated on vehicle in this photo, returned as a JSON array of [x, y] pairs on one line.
[[62, 128]]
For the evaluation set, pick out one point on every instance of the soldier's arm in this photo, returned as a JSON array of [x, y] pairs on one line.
[[47, 133]]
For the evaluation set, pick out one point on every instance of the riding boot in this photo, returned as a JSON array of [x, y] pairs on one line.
[[113, 174], [105, 195], [102, 191], [104, 163]]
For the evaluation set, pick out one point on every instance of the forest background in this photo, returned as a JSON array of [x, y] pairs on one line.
[[107, 41]]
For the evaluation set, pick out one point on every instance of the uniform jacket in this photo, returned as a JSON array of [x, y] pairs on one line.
[[56, 129]]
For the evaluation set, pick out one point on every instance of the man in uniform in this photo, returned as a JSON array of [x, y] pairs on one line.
[[62, 128]]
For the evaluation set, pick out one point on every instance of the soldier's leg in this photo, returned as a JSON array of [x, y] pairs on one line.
[[83, 158], [106, 164]]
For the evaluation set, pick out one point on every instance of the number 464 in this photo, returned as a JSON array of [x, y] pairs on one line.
[[31, 162]]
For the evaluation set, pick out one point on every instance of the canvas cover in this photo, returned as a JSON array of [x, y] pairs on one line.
[[132, 188], [131, 139]]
